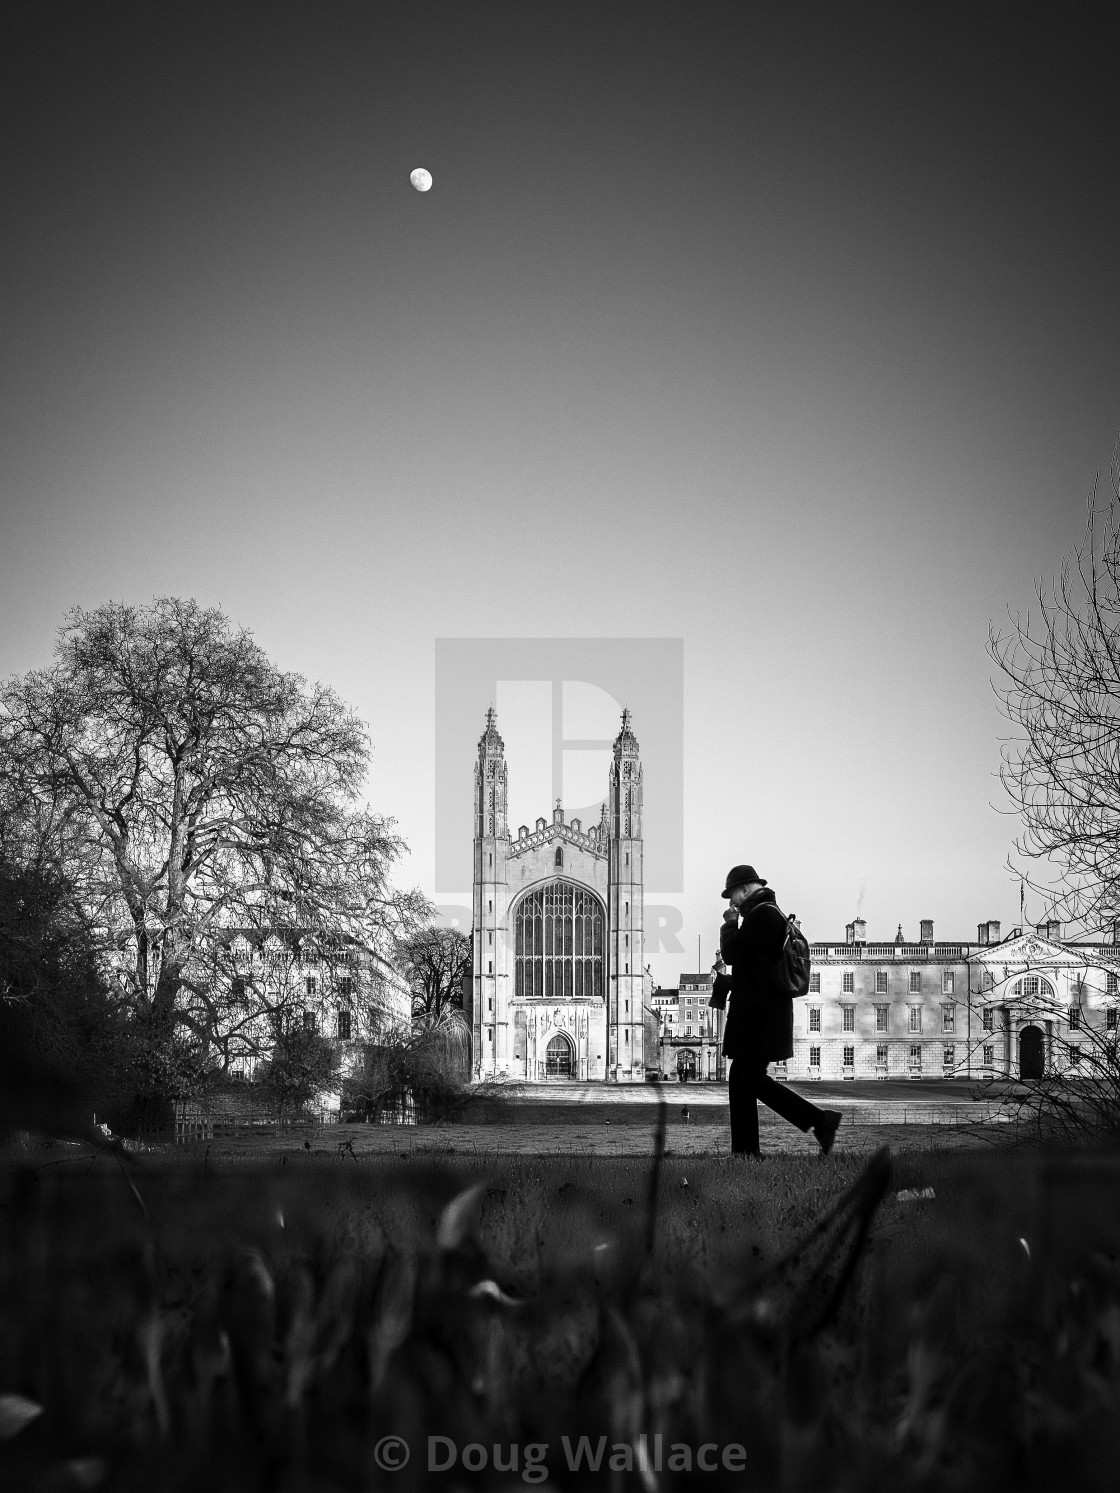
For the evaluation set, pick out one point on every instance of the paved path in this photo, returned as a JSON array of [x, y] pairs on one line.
[[587, 1119], [902, 1102], [627, 1140]]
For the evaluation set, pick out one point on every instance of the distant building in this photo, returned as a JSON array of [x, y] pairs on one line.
[[342, 988], [558, 975], [1017, 1007], [690, 1037]]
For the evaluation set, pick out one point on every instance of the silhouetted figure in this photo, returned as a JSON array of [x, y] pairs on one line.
[[759, 1027]]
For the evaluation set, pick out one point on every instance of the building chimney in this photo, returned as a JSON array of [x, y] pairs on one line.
[[927, 930], [982, 933], [859, 928], [1054, 930], [849, 933], [993, 930]]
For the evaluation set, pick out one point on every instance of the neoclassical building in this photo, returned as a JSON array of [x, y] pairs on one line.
[[558, 966], [1014, 1007], [1024, 1006]]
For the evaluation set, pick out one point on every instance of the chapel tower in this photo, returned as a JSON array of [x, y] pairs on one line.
[[625, 1027], [490, 911]]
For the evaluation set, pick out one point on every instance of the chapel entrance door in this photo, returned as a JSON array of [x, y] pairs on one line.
[[558, 1057]]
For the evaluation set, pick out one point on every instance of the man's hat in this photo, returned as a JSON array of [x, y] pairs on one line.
[[739, 876]]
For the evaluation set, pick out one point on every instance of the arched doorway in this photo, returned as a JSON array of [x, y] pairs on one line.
[[558, 1057], [686, 1066], [1030, 1052]]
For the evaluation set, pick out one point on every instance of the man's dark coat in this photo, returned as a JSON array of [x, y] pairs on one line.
[[759, 1025]]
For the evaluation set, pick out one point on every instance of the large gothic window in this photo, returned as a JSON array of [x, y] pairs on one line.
[[559, 946]]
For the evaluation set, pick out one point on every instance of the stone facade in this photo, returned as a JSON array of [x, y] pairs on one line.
[[558, 967], [348, 992], [690, 1032], [1020, 1006]]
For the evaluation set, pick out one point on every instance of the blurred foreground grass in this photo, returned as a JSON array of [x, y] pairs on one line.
[[243, 1327]]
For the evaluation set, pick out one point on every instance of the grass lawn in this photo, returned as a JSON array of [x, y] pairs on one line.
[[275, 1323]]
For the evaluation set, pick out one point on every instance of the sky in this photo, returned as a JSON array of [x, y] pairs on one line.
[[791, 332]]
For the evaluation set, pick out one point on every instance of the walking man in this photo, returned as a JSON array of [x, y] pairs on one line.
[[759, 1027]]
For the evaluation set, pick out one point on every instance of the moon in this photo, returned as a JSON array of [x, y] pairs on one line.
[[421, 179]]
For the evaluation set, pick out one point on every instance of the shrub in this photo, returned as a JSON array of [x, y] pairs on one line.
[[300, 1066], [429, 1066]]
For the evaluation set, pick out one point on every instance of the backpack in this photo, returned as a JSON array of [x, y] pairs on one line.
[[791, 972]]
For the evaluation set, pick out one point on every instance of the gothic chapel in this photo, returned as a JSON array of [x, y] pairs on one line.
[[557, 930]]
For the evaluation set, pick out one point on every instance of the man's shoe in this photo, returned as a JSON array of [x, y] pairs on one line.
[[826, 1127]]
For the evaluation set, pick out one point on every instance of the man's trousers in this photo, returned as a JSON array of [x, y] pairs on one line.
[[749, 1082]]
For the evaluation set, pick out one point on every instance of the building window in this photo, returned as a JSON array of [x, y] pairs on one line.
[[849, 982], [881, 1053], [882, 1018], [949, 1055], [1029, 986], [309, 1021], [312, 984], [814, 1057], [915, 1018], [1110, 982], [814, 1018], [1074, 1018], [916, 1055], [948, 1018], [849, 1024], [849, 1057], [1074, 1053], [947, 982], [915, 982], [989, 1054], [558, 944], [987, 980], [987, 1018], [815, 982], [880, 982], [1110, 1018], [559, 855], [344, 1026], [346, 987]]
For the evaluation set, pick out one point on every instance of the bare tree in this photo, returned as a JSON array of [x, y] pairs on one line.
[[1060, 689], [434, 961], [188, 786]]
